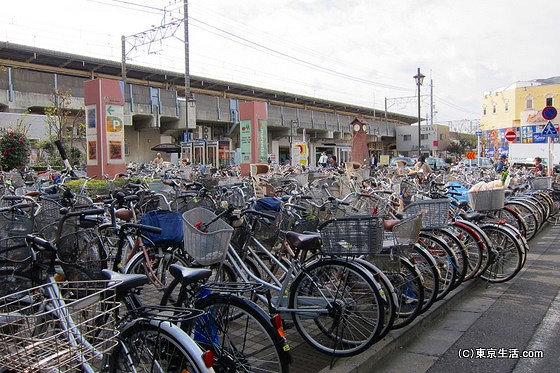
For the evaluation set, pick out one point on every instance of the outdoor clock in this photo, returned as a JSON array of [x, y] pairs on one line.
[[356, 127]]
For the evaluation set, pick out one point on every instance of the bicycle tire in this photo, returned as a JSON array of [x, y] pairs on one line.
[[458, 257], [485, 245], [155, 347], [528, 215], [474, 247], [388, 293], [408, 285], [356, 312], [240, 334], [446, 261], [425, 262], [509, 259]]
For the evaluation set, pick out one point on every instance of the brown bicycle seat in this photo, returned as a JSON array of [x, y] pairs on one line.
[[389, 224]]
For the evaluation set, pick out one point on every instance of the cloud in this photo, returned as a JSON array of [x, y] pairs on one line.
[[355, 51]]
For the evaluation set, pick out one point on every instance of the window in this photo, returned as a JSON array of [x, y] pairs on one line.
[[529, 102], [407, 137], [506, 105], [484, 110], [493, 108], [424, 136], [549, 101], [441, 136]]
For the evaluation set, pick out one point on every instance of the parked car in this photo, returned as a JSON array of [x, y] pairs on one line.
[[437, 163], [393, 162], [477, 162]]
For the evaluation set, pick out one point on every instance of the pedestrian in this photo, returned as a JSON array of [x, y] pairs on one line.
[[323, 160], [501, 164], [422, 166], [158, 159], [332, 161], [373, 161], [539, 167]]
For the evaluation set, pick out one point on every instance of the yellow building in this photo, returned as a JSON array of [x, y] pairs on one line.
[[517, 108]]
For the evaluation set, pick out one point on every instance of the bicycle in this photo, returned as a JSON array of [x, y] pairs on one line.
[[326, 296], [143, 339]]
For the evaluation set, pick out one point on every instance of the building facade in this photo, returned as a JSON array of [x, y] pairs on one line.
[[434, 140], [155, 109], [517, 108]]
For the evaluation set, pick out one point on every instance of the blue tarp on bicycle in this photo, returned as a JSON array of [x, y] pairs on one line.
[[455, 187], [171, 224]]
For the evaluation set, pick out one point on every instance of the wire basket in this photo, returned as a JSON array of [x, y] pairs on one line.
[[354, 235], [405, 233], [541, 183], [81, 251], [209, 247], [31, 337], [48, 216], [486, 200], [435, 212]]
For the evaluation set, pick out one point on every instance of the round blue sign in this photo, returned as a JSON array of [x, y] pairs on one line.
[[549, 112]]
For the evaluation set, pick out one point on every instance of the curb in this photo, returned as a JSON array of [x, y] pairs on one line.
[[367, 361]]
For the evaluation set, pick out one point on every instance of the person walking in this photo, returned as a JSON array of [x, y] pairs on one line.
[[539, 167], [323, 160], [501, 164]]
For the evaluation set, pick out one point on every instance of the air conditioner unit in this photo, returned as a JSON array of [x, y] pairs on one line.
[[329, 135]]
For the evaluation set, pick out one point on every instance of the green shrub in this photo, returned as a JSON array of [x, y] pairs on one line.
[[14, 149]]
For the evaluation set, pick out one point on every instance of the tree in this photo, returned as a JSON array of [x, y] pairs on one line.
[[462, 143], [66, 125]]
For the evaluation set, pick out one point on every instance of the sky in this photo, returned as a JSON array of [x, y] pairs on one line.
[[360, 52]]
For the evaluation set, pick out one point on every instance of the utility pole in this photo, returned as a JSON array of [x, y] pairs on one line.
[[188, 97]]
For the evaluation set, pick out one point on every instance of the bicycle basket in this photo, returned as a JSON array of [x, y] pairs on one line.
[[407, 231], [541, 183], [31, 339], [81, 252], [484, 200], [209, 247], [435, 212], [355, 235], [171, 225], [48, 216]]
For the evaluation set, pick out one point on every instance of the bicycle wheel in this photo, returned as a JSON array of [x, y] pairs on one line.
[[427, 265], [155, 347], [458, 248], [509, 259], [486, 247], [474, 247], [513, 217], [154, 262], [388, 294], [240, 334], [337, 307], [408, 285], [528, 215], [445, 259]]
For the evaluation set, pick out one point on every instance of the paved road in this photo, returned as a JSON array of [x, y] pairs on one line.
[[479, 328]]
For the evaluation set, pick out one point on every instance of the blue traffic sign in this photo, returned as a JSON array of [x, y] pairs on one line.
[[549, 113], [549, 130], [479, 133]]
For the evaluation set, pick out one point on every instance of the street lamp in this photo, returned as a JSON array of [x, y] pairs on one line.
[[419, 80]]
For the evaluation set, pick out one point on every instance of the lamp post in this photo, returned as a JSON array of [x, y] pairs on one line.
[[419, 80]]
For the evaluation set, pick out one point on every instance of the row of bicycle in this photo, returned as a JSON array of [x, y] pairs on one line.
[[345, 288]]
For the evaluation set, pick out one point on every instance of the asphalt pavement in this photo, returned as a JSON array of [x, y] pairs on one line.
[[479, 327]]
